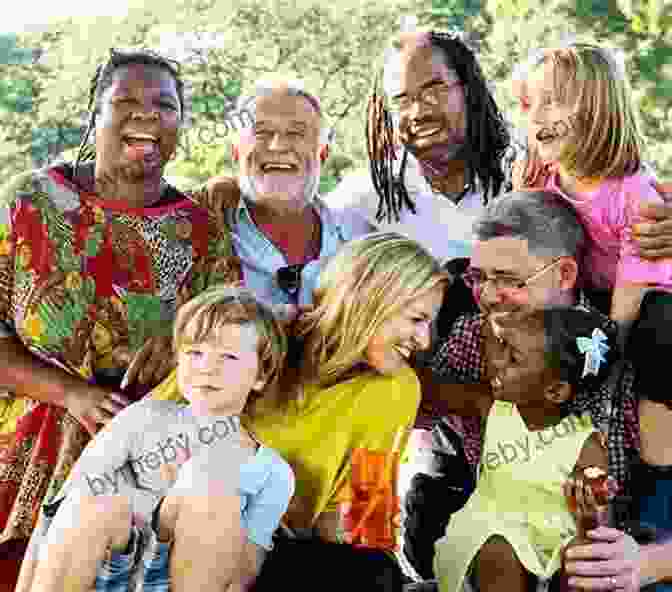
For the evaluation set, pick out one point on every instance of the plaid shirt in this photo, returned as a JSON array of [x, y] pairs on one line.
[[458, 358]]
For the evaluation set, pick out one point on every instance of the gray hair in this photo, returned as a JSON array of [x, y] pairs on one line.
[[544, 219], [296, 88]]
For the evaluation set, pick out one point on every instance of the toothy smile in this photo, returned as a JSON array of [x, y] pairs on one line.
[[424, 132], [140, 138], [277, 166]]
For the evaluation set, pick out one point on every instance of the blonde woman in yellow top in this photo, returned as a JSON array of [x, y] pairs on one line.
[[351, 387]]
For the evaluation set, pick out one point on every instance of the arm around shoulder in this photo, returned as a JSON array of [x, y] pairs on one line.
[[354, 203], [442, 397]]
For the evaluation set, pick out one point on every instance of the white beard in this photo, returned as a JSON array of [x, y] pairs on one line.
[[248, 188]]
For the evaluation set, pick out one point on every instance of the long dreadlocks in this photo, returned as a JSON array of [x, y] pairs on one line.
[[487, 136], [102, 79]]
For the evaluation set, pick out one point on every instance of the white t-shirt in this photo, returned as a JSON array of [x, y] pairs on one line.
[[126, 457], [443, 227]]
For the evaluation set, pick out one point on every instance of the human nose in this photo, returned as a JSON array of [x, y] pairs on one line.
[[206, 363], [150, 113], [423, 335], [489, 294], [416, 108], [496, 354], [497, 358], [278, 142], [536, 112]]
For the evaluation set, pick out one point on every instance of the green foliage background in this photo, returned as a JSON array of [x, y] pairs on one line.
[[335, 49]]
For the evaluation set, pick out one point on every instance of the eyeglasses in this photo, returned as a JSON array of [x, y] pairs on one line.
[[289, 279], [476, 279], [429, 96]]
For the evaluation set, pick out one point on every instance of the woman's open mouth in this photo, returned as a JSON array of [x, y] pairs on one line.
[[545, 136], [141, 147]]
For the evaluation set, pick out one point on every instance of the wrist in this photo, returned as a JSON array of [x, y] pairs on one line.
[[62, 390]]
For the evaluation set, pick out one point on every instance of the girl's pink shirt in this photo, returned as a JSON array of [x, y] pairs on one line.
[[607, 214]]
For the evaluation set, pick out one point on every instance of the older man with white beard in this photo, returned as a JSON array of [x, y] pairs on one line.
[[281, 230]]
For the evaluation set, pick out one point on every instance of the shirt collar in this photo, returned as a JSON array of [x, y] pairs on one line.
[[243, 210]]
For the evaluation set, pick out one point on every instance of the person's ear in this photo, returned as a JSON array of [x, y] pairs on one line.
[[569, 273], [235, 153], [558, 392], [323, 152]]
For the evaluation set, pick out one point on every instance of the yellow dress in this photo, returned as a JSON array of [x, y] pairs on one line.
[[518, 496], [317, 434]]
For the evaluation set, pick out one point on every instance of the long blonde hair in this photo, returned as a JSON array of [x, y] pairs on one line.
[[366, 282], [611, 141]]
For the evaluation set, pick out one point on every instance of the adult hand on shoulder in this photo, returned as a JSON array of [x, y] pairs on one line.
[[221, 193], [92, 405], [654, 236], [151, 364], [610, 561]]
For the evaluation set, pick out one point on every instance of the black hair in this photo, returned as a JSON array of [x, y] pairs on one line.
[[562, 328], [102, 79], [487, 135]]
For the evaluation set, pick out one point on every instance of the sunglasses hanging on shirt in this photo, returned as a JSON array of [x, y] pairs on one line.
[[289, 279]]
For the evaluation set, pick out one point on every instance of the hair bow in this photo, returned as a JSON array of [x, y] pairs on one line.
[[594, 349]]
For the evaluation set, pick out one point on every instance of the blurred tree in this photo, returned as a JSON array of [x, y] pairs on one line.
[[335, 49], [642, 29], [454, 14]]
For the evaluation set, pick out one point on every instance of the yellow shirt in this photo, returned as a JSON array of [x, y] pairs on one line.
[[317, 434]]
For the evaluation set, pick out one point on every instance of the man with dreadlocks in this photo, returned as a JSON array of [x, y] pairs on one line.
[[94, 258], [436, 141]]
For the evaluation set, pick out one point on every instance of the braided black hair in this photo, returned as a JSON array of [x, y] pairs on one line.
[[102, 79], [487, 135]]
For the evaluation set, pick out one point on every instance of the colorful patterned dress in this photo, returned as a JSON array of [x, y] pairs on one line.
[[84, 282]]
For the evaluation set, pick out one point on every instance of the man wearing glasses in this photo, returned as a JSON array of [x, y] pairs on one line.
[[524, 259], [436, 143]]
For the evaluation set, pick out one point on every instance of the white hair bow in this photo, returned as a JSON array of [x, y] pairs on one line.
[[594, 349]]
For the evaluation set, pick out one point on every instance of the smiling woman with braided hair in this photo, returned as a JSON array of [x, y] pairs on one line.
[[94, 259]]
